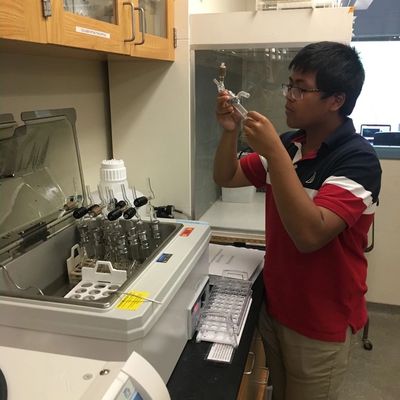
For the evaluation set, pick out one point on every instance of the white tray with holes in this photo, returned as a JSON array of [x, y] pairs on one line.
[[98, 282]]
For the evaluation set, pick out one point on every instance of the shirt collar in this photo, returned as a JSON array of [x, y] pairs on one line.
[[342, 132]]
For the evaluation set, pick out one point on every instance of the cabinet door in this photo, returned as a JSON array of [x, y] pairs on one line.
[[152, 24], [89, 24], [255, 378], [22, 20]]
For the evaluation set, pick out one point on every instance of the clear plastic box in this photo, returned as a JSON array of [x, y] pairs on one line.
[[224, 314]]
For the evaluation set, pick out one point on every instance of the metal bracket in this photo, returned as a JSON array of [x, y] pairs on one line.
[[46, 8]]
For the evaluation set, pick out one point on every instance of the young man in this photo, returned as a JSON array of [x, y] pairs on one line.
[[322, 182]]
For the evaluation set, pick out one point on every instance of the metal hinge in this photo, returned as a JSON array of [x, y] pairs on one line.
[[46, 8], [175, 38]]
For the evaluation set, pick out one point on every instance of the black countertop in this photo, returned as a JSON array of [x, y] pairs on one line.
[[195, 378]]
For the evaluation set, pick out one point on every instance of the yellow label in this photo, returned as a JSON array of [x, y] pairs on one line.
[[133, 300]]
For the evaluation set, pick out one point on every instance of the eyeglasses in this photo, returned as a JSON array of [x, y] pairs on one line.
[[296, 93]]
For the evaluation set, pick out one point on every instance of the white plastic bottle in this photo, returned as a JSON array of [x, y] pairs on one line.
[[112, 176]]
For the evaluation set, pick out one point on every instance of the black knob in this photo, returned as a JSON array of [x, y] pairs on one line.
[[80, 212], [140, 201], [114, 214], [121, 204], [129, 213]]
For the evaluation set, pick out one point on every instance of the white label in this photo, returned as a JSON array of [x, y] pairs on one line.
[[92, 32]]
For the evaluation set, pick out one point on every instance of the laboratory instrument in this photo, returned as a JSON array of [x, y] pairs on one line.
[[54, 376], [89, 286]]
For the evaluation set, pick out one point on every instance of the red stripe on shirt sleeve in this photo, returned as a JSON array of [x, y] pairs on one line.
[[340, 201], [254, 169]]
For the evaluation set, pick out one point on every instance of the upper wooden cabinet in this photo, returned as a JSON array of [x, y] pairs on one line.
[[140, 28], [22, 20]]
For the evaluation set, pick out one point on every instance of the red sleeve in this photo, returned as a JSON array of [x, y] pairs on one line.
[[254, 169], [346, 203]]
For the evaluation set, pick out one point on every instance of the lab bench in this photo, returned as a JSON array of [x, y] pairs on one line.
[[195, 378]]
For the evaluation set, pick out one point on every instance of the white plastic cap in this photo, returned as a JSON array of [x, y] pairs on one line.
[[112, 171]]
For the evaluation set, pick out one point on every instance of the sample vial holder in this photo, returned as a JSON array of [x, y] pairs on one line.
[[98, 282], [223, 315], [75, 263]]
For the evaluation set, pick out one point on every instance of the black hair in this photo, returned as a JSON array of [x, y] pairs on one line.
[[338, 69]]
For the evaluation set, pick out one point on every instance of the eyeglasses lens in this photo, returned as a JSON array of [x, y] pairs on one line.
[[294, 92]]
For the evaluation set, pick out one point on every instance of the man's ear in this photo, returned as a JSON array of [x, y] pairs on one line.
[[338, 100]]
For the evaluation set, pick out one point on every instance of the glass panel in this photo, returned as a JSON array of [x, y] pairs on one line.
[[156, 17], [259, 72], [102, 10], [39, 172], [378, 121]]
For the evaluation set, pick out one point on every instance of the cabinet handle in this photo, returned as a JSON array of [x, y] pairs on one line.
[[128, 3], [253, 360], [143, 22]]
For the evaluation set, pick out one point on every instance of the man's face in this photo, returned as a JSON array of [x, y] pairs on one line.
[[311, 110]]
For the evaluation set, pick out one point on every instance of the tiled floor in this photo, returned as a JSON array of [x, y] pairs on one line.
[[375, 375]]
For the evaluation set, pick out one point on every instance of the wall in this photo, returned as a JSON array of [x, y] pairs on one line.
[[30, 82], [383, 270]]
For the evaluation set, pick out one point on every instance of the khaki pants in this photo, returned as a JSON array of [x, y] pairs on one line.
[[302, 368]]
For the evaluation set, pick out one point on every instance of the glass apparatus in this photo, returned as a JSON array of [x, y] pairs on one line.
[[114, 230], [235, 98]]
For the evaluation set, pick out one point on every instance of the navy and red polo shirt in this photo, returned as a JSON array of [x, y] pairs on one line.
[[320, 294]]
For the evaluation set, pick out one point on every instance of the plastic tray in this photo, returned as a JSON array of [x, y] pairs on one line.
[[98, 282]]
